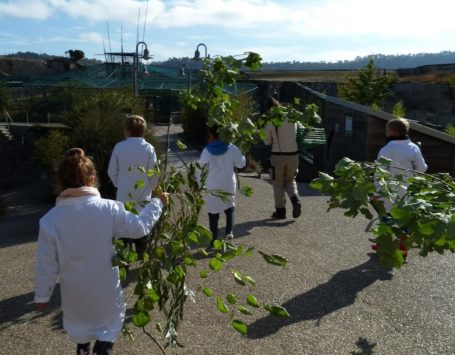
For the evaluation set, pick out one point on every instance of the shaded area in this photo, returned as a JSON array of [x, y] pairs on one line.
[[22, 309], [244, 229], [338, 292], [366, 348], [23, 209]]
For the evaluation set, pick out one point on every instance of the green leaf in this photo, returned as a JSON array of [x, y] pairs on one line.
[[215, 264], [122, 273], [249, 251], [245, 311], [231, 298], [207, 291], [425, 228], [153, 295], [221, 306], [241, 327], [249, 280], [141, 319], [139, 184], [274, 259], [217, 244], [238, 278], [193, 237], [246, 190], [181, 145], [252, 301], [204, 274], [277, 311]]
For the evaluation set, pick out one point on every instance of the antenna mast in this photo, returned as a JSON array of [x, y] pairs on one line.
[[145, 21], [109, 38]]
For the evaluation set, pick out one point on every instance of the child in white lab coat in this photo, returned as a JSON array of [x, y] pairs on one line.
[[126, 160], [404, 154], [221, 158], [75, 244]]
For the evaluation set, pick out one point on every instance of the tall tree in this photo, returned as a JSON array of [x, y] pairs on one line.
[[368, 88]]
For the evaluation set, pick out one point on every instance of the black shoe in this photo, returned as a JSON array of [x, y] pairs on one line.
[[296, 207], [280, 213]]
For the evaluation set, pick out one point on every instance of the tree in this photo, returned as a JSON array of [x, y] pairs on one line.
[[367, 88], [76, 54], [399, 110]]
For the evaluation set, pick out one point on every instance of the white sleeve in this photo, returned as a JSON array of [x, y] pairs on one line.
[[112, 170], [239, 158], [419, 162], [130, 225], [47, 267]]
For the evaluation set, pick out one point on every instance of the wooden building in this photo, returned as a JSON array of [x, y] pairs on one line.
[[358, 132]]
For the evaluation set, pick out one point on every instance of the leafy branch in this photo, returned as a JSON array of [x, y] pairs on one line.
[[422, 206]]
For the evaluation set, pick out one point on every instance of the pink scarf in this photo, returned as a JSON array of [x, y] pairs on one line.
[[78, 192]]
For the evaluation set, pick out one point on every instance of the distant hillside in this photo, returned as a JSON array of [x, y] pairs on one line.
[[43, 57], [380, 60]]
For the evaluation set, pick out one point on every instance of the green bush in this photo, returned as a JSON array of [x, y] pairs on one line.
[[48, 149]]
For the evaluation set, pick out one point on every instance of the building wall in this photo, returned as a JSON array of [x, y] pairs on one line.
[[368, 132]]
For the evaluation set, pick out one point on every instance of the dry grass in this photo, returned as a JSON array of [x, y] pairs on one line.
[[303, 75]]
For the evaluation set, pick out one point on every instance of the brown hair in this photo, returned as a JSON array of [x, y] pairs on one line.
[[398, 126], [135, 125], [271, 102], [75, 169]]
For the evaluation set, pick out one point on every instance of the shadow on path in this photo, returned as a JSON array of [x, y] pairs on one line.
[[243, 229], [22, 309], [338, 292], [24, 207]]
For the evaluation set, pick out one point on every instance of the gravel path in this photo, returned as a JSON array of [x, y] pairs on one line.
[[340, 300]]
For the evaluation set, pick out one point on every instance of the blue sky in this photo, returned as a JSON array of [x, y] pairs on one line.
[[305, 30]]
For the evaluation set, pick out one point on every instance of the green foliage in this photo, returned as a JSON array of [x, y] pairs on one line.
[[367, 88], [423, 212], [450, 129], [223, 109], [50, 148], [399, 110], [97, 124], [172, 252]]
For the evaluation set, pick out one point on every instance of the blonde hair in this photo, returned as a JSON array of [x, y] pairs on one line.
[[135, 125], [75, 169], [399, 126]]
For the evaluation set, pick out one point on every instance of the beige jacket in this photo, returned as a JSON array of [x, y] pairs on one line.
[[283, 138]]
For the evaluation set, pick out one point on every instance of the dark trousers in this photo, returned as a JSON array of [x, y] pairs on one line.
[[100, 348], [139, 244], [214, 218]]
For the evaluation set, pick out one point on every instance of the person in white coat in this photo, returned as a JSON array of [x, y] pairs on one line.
[[404, 154], [75, 245], [126, 167], [221, 159]]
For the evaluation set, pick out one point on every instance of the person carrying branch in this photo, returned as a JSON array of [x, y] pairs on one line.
[[75, 245], [284, 162]]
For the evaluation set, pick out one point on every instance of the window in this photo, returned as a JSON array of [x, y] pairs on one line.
[[348, 126]]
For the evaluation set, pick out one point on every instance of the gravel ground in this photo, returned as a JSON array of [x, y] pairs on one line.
[[340, 300]]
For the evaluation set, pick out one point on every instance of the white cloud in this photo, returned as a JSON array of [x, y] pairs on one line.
[[109, 10], [92, 37], [33, 9]]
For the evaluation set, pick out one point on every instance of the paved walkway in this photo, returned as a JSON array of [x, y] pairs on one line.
[[340, 300]]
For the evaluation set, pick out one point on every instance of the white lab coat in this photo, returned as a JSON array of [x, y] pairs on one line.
[[75, 243], [404, 154], [221, 176], [126, 158]]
